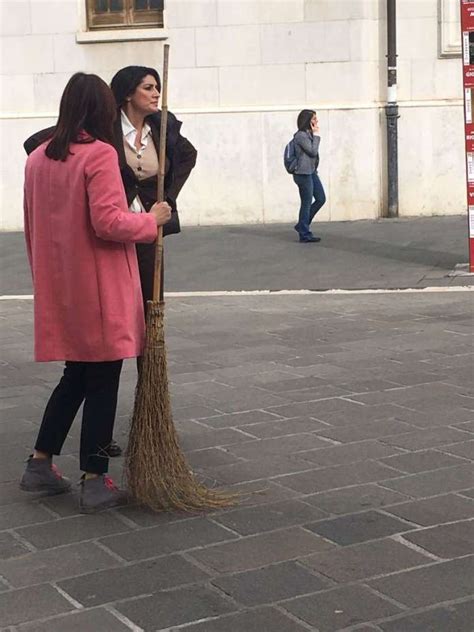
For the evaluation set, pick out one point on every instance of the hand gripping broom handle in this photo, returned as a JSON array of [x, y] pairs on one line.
[[161, 173]]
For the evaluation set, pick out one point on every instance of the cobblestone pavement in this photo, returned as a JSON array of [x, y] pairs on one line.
[[347, 423]]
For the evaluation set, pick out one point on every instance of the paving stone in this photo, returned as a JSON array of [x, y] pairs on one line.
[[270, 516], [362, 561], [270, 584], [447, 541], [316, 408], [236, 420], [257, 493], [340, 608], [144, 517], [21, 514], [356, 498], [367, 430], [138, 579], [360, 414], [421, 461], [168, 538], [211, 457], [10, 547], [316, 393], [266, 467], [28, 604], [55, 564], [465, 449], [194, 412], [337, 476], [349, 453], [263, 619], [282, 445], [427, 438], [166, 609], [456, 617], [211, 438], [96, 619], [421, 587], [358, 527], [284, 427], [435, 510], [260, 550], [69, 530], [425, 484]]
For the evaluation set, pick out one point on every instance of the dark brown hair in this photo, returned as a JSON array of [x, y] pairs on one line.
[[126, 81], [87, 105], [303, 121]]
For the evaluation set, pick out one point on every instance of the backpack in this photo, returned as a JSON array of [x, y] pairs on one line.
[[289, 157]]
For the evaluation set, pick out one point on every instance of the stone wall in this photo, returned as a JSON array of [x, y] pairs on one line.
[[240, 73]]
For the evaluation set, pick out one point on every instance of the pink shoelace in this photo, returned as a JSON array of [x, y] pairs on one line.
[[109, 483], [56, 472]]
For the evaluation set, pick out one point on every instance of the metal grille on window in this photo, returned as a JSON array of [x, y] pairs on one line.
[[110, 14]]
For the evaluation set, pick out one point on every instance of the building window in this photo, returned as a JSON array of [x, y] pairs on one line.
[[120, 14], [449, 28]]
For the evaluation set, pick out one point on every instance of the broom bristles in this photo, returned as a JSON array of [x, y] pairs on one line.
[[158, 474]]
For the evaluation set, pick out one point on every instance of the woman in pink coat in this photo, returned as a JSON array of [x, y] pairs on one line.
[[88, 306]]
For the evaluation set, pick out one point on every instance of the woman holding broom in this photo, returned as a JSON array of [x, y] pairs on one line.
[[88, 304]]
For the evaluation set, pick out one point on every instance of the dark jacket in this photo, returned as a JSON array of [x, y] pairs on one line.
[[181, 159]]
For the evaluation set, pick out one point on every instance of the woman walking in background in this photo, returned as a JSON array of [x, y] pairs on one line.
[[306, 177], [88, 306]]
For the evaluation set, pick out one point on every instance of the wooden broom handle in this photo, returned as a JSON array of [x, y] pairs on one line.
[[161, 173]]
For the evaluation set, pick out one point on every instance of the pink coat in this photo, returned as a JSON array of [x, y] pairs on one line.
[[80, 241]]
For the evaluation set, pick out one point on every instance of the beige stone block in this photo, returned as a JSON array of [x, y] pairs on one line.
[[12, 160], [193, 88], [54, 16], [182, 13], [436, 79], [353, 152], [417, 8], [305, 43], [417, 38], [274, 11], [365, 40], [280, 193], [226, 187], [183, 48], [343, 83], [228, 46], [323, 10], [431, 171], [262, 85], [26, 55], [17, 93], [404, 81], [15, 17], [69, 56], [238, 12], [48, 88]]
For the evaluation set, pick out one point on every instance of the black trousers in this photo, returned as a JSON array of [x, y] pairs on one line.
[[96, 384]]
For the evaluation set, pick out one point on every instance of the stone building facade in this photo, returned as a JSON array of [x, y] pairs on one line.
[[240, 73]]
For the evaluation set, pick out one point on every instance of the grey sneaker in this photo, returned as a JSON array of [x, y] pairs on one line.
[[100, 493], [42, 476]]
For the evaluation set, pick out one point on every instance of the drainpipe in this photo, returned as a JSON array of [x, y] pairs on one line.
[[391, 110]]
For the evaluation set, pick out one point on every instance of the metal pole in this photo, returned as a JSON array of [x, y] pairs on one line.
[[391, 110]]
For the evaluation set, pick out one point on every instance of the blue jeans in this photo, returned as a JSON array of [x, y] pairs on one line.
[[309, 187]]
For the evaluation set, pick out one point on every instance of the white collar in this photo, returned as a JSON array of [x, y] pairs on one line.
[[128, 128]]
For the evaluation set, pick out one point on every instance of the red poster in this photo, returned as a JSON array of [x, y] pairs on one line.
[[467, 35]]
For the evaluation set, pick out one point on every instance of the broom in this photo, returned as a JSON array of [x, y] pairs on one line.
[[157, 472]]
